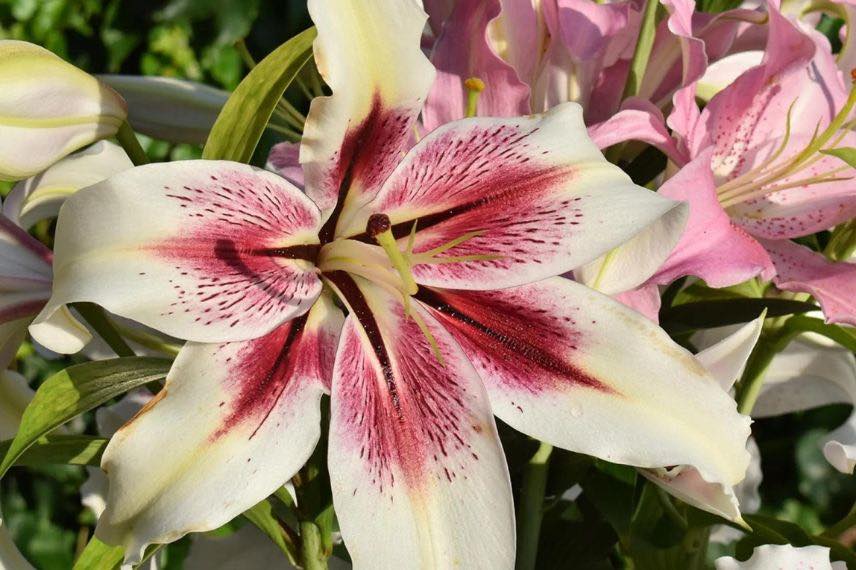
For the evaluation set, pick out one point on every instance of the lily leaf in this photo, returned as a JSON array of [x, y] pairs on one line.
[[99, 556], [242, 120], [770, 530], [722, 312], [847, 154], [78, 389], [61, 449]]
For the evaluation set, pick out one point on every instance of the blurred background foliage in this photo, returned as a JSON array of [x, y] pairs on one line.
[[196, 39]]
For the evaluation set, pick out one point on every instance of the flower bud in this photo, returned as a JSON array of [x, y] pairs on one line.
[[48, 109], [173, 110]]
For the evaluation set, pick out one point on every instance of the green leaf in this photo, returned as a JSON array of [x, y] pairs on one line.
[[242, 120], [770, 530], [718, 313], [847, 154], [99, 556], [61, 449], [846, 337], [262, 516], [78, 389]]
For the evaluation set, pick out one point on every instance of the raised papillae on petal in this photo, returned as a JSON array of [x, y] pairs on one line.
[[203, 250], [577, 369], [234, 422], [418, 475], [48, 109], [518, 199], [368, 52]]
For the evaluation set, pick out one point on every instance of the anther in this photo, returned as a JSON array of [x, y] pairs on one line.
[[474, 87], [377, 224]]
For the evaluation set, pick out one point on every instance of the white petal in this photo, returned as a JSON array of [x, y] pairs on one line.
[[234, 422], [41, 196], [201, 250], [726, 359], [775, 556]]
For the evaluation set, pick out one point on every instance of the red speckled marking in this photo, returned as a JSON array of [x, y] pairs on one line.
[[399, 409], [268, 370], [230, 264], [369, 152], [512, 339], [486, 179]]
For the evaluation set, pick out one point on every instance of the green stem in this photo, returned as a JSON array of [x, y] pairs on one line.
[[842, 244], [769, 345], [532, 507], [642, 53], [97, 319], [129, 142], [843, 525], [312, 551]]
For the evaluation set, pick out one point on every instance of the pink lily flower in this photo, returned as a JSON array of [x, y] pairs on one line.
[[757, 177], [447, 259]]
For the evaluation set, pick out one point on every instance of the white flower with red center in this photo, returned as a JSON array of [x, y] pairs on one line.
[[445, 256]]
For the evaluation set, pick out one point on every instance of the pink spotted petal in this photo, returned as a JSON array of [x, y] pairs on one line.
[[234, 422], [532, 192], [369, 54], [712, 246], [462, 51], [577, 369], [202, 250], [833, 284], [418, 475]]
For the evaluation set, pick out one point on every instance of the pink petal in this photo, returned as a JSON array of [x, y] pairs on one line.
[[535, 191], [418, 475], [643, 123], [574, 368], [284, 159], [712, 247], [645, 300], [832, 284], [201, 250], [463, 51], [234, 422]]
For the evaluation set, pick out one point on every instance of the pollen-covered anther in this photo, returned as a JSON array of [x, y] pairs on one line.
[[377, 224]]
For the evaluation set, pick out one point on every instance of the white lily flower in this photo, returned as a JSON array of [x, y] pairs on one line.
[[175, 110], [785, 556], [41, 196], [48, 109], [15, 394], [447, 255]]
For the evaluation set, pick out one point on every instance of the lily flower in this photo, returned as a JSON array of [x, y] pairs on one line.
[[50, 109], [447, 261], [758, 173], [782, 556]]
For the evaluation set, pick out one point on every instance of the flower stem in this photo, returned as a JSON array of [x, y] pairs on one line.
[[532, 507], [97, 319], [312, 550], [643, 49], [129, 142], [772, 341], [843, 525]]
